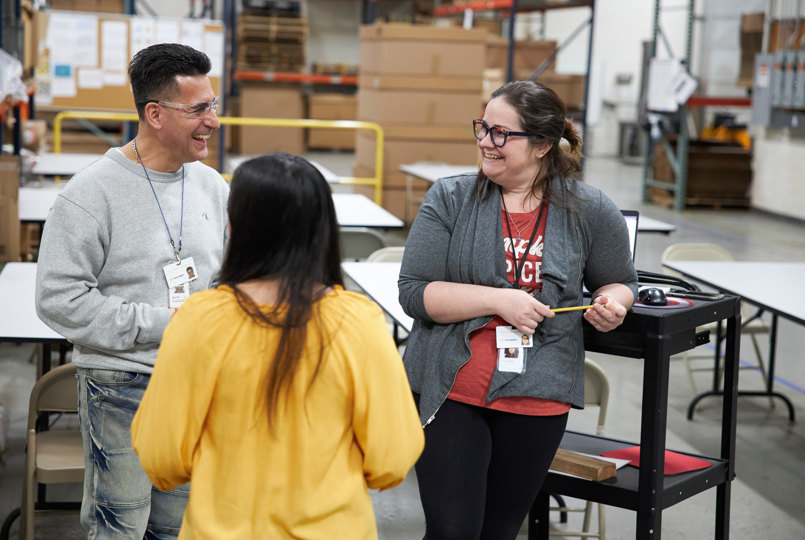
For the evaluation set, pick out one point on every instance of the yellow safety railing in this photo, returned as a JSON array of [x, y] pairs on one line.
[[375, 181]]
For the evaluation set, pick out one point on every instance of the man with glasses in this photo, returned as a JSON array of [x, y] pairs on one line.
[[113, 268]]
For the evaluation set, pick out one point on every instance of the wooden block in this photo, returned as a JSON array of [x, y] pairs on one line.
[[583, 466]]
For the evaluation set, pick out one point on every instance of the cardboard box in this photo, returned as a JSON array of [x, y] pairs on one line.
[[385, 81], [528, 54], [97, 6], [332, 107], [393, 179], [569, 87], [29, 241], [34, 134], [398, 152], [9, 211], [718, 173], [406, 49], [416, 132], [270, 100], [10, 177], [751, 43], [396, 197], [82, 142], [494, 78], [752, 23], [9, 230], [417, 107]]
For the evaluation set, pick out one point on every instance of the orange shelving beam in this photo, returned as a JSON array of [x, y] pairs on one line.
[[278, 76], [452, 9]]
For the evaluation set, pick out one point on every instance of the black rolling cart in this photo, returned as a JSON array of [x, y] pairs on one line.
[[654, 335]]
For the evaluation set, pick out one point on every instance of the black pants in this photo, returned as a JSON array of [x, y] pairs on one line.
[[482, 469]]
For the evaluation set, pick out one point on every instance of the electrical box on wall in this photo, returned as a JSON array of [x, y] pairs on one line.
[[762, 89], [778, 90]]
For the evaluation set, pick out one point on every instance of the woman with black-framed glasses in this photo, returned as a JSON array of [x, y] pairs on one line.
[[487, 256]]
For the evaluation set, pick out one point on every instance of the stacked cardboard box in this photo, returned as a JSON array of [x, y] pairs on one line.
[[9, 211], [421, 84], [269, 100], [719, 175], [332, 107], [271, 43], [529, 55], [751, 44], [97, 6]]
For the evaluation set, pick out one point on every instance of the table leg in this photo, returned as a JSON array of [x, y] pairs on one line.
[[653, 426], [769, 392], [729, 419]]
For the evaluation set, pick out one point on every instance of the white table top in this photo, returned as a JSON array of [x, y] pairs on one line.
[[329, 175], [379, 281], [431, 172], [65, 164], [355, 210], [651, 225], [775, 286], [352, 209], [18, 320], [36, 199]]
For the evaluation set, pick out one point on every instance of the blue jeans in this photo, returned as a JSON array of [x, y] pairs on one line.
[[119, 500]]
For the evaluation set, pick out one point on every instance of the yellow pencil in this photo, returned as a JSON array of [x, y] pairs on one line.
[[574, 308]]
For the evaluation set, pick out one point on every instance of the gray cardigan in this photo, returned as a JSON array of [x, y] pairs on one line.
[[457, 238]]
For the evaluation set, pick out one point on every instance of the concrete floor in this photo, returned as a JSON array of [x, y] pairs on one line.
[[767, 497]]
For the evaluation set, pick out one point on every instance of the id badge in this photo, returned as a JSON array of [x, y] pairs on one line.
[[508, 336], [180, 273], [178, 277], [511, 359]]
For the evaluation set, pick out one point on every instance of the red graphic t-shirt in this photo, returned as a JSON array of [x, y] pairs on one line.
[[472, 381]]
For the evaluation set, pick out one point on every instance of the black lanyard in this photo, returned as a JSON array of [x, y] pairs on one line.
[[517, 266]]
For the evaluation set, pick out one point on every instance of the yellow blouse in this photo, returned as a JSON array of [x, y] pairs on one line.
[[203, 418]]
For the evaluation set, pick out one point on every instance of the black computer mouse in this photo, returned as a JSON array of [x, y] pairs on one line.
[[652, 297]]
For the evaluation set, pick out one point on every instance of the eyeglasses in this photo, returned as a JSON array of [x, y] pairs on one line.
[[497, 135], [195, 110]]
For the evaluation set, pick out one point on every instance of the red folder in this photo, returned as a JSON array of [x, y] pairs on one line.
[[675, 463]]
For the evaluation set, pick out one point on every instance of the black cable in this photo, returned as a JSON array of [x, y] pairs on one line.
[[653, 278]]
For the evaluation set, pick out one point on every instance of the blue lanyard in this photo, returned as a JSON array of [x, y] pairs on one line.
[[176, 252]]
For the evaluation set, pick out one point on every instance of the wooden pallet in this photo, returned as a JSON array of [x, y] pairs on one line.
[[271, 28], [320, 68], [665, 198], [280, 66]]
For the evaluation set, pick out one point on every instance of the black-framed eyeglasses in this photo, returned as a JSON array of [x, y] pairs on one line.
[[499, 136], [195, 109]]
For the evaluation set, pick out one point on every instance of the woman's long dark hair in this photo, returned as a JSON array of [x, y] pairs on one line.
[[284, 228], [541, 111]]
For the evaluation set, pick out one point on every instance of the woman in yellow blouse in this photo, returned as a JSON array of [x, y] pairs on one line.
[[278, 394]]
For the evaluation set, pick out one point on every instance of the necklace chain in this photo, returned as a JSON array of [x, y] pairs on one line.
[[510, 218]]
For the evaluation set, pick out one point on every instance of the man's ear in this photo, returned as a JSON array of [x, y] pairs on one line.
[[154, 116]]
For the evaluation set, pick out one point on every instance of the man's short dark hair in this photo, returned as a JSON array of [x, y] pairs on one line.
[[153, 71]]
